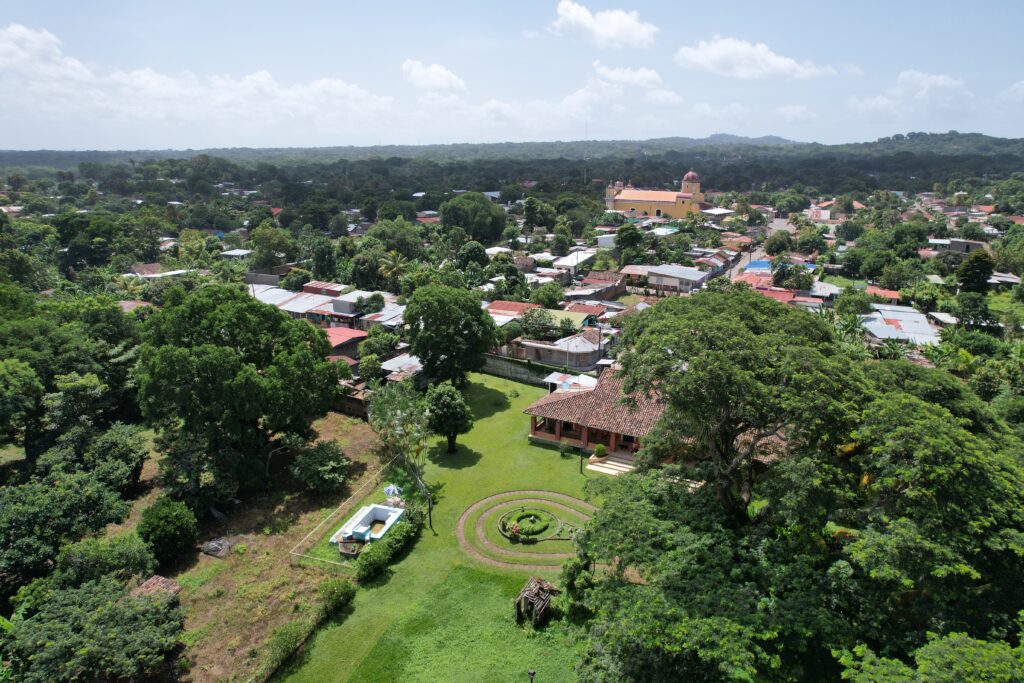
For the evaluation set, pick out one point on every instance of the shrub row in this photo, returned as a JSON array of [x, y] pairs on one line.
[[376, 556], [287, 638]]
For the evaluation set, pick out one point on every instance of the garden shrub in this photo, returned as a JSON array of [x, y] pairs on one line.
[[321, 467], [376, 556], [169, 526], [283, 642], [600, 451], [336, 594], [89, 559]]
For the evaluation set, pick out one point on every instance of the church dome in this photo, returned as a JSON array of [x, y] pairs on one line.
[[691, 177]]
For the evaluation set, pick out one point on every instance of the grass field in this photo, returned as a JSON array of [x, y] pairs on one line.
[[844, 282], [11, 453], [438, 614]]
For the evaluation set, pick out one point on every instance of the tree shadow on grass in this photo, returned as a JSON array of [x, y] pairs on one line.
[[295, 663], [485, 401], [462, 457]]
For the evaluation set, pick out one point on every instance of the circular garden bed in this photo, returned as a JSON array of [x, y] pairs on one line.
[[523, 528]]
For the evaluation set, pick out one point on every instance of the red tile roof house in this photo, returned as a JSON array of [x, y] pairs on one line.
[[344, 340], [512, 309], [584, 419], [889, 295]]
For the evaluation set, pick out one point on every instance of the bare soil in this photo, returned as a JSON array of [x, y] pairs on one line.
[[232, 605]]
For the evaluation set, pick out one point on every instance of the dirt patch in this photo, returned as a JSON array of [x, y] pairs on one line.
[[232, 605]]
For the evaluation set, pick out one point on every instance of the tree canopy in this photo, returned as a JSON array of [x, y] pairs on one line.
[[799, 511], [222, 374], [448, 331]]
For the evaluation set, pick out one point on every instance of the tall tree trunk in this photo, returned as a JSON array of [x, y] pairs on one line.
[[451, 443]]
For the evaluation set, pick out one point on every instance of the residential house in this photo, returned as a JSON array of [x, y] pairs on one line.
[[717, 214], [236, 254], [607, 283], [578, 352], [890, 295], [584, 418], [404, 366], [904, 323], [344, 341], [510, 309], [575, 261], [324, 288], [673, 279], [955, 245], [392, 316]]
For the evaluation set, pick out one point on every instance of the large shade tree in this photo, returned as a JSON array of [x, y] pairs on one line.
[[448, 331], [888, 505], [482, 220], [225, 375]]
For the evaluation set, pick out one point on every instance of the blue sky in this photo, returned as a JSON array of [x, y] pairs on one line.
[[120, 75]]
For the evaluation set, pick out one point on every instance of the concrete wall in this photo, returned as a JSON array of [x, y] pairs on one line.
[[518, 371], [262, 279]]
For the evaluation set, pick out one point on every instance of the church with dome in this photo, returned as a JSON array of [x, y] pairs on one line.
[[657, 203]]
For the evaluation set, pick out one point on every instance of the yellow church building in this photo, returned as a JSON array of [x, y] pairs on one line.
[[666, 203]]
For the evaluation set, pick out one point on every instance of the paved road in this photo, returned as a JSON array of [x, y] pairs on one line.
[[758, 253]]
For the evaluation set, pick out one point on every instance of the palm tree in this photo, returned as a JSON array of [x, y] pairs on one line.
[[891, 349], [393, 266]]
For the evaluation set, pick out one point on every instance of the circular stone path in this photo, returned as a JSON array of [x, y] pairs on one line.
[[492, 504]]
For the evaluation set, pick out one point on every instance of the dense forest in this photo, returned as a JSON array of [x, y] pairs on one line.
[[910, 162]]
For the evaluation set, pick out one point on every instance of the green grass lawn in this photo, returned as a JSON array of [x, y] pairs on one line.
[[1000, 301], [10, 453], [629, 299], [438, 614], [844, 282]]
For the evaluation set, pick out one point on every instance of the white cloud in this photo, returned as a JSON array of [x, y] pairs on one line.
[[59, 101], [795, 113], [1014, 93], [661, 96], [607, 28], [430, 76], [709, 111], [737, 58], [86, 102], [915, 92], [641, 78]]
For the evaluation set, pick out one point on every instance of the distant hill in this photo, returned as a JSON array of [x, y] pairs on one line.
[[718, 145]]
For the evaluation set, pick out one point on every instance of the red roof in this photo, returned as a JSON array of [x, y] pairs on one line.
[[781, 295], [602, 408], [1018, 220], [512, 308], [589, 309], [691, 177], [428, 219], [754, 280], [275, 212], [602, 277], [884, 293], [343, 335], [985, 208]]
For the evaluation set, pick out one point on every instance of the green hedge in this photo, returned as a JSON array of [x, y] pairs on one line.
[[376, 556], [336, 593]]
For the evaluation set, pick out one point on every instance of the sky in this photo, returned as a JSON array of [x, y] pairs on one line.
[[189, 74]]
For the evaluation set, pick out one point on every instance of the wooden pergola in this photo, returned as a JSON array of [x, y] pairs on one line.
[[534, 601]]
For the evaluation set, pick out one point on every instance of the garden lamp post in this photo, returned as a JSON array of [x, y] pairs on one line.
[[581, 461], [531, 673]]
